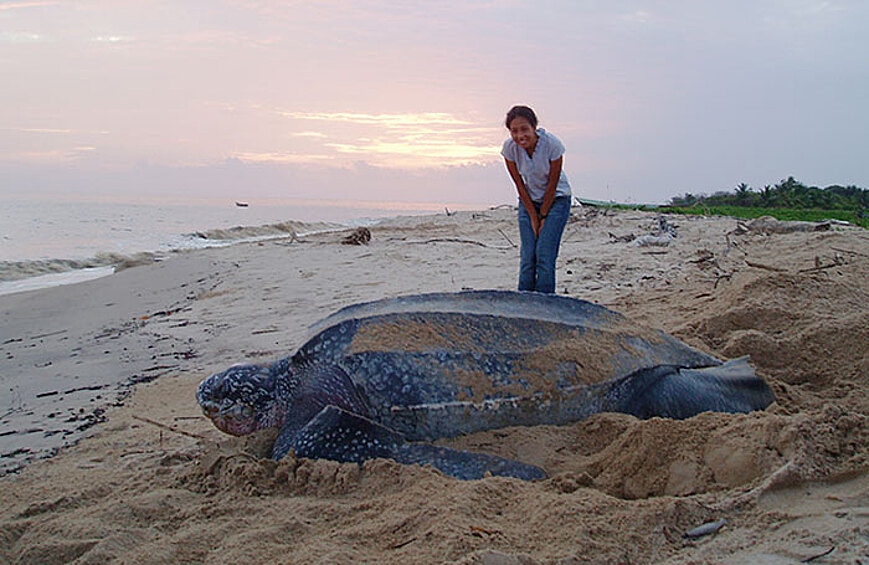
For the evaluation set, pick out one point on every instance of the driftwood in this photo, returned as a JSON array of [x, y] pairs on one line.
[[731, 243], [167, 427], [458, 240], [767, 225], [720, 277], [478, 531], [706, 260], [40, 336], [838, 261], [766, 267], [293, 238], [704, 255], [10, 412], [819, 555], [666, 227], [621, 238], [361, 236], [507, 238], [650, 240], [820, 268], [849, 251], [402, 543]]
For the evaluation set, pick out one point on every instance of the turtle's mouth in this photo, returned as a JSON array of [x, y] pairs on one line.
[[231, 399], [235, 419]]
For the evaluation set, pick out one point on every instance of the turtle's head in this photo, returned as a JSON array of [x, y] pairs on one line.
[[239, 400]]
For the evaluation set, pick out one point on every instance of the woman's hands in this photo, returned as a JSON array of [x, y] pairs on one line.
[[537, 218], [536, 222]]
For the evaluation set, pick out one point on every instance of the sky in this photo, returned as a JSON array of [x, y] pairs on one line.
[[405, 100]]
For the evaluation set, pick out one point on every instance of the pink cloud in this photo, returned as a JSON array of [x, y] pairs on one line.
[[16, 5]]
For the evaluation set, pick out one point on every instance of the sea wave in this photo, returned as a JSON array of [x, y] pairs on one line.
[[281, 229], [17, 270]]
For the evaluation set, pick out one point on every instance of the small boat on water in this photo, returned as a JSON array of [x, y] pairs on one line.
[[241, 204]]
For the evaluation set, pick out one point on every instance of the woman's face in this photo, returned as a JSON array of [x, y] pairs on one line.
[[523, 133]]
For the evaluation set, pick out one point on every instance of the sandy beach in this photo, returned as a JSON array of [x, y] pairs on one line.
[[102, 374]]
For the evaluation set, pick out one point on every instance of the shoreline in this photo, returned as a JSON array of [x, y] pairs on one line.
[[21, 275], [75, 235], [115, 352]]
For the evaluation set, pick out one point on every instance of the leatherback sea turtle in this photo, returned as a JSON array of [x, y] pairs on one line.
[[373, 378]]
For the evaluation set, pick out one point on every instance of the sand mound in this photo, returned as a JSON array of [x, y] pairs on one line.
[[807, 330]]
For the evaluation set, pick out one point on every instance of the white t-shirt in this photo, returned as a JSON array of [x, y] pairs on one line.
[[535, 169]]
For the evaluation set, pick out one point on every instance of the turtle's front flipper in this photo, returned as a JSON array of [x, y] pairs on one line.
[[676, 392], [343, 436], [319, 386], [464, 464], [340, 435]]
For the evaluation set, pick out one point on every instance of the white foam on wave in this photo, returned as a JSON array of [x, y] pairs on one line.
[[15, 270], [267, 231], [54, 279]]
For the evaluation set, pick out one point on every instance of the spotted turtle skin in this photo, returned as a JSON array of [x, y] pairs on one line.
[[378, 379]]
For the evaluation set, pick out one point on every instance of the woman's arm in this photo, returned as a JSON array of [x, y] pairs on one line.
[[523, 195], [551, 186]]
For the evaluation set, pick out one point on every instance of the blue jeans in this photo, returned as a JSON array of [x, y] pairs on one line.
[[537, 254]]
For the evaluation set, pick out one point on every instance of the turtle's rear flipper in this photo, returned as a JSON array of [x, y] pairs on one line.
[[676, 392], [343, 436]]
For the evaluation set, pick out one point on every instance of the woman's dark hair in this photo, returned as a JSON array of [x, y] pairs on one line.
[[521, 112]]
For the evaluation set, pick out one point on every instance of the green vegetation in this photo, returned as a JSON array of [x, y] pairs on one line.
[[787, 200], [806, 215]]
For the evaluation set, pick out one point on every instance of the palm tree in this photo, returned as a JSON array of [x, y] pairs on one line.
[[743, 194], [766, 195]]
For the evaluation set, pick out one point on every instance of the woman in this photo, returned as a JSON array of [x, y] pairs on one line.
[[534, 159]]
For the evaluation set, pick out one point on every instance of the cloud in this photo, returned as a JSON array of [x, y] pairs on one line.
[[432, 153], [112, 39], [285, 158], [43, 130], [58, 131], [53, 156], [387, 120], [402, 140], [19, 5], [21, 37], [638, 16], [316, 134]]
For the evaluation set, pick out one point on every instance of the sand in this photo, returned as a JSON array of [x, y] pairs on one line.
[[103, 374]]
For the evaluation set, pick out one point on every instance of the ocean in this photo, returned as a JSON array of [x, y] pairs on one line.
[[48, 242]]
